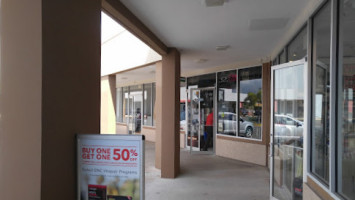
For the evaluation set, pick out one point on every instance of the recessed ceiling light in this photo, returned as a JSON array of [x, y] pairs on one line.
[[222, 47], [201, 60], [213, 3]]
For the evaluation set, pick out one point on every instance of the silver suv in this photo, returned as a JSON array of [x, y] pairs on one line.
[[288, 126], [246, 128]]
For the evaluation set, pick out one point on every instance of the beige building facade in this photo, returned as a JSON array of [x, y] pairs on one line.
[[50, 91]]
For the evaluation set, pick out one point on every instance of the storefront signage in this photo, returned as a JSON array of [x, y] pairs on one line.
[[110, 167]]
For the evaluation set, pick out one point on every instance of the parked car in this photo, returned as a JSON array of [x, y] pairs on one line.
[[288, 126], [246, 128]]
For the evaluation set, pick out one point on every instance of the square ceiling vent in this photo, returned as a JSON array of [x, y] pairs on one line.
[[213, 3], [267, 24]]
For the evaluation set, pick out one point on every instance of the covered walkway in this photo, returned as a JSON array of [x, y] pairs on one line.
[[207, 177]]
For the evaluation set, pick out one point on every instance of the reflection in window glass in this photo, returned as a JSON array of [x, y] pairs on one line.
[[119, 105], [126, 102], [346, 145], [206, 80], [282, 57], [227, 97], [249, 81], [288, 132], [136, 96], [275, 61], [148, 112], [297, 49], [183, 98], [321, 85], [153, 102]]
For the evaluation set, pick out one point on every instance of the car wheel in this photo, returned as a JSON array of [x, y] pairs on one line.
[[249, 132]]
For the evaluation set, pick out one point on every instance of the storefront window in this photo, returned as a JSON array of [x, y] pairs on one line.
[[321, 94], [346, 119], [126, 102], [203, 81], [183, 98], [153, 101], [148, 105], [282, 57], [250, 105], [119, 105], [297, 49], [275, 61], [136, 97], [227, 98]]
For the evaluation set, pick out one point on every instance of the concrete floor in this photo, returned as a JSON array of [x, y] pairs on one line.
[[207, 177]]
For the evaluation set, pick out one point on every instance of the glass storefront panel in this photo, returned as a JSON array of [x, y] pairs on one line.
[[125, 106], [282, 57], [183, 100], [119, 105], [297, 49], [275, 61], [148, 104], [346, 117], [203, 81], [153, 101], [136, 94], [250, 105], [321, 94], [226, 104], [288, 105]]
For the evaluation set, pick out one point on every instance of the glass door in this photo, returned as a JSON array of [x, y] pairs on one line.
[[287, 130], [193, 125], [200, 134], [135, 112], [130, 118]]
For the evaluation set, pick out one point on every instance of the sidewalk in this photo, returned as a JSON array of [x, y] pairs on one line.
[[207, 177]]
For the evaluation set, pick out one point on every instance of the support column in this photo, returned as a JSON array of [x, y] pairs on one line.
[[158, 113], [49, 92], [168, 123], [108, 104], [266, 75], [70, 89], [20, 99]]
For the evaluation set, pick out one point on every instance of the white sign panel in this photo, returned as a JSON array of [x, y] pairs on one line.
[[110, 167]]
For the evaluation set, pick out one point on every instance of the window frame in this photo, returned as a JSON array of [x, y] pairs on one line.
[[238, 102], [335, 77], [142, 104], [151, 104]]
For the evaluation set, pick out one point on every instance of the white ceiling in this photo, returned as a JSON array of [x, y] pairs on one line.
[[252, 28], [136, 76]]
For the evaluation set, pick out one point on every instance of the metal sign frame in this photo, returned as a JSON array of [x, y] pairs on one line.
[[139, 138]]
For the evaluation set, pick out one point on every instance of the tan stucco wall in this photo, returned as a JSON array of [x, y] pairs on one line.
[[70, 88], [149, 133], [182, 139], [121, 128], [50, 91], [309, 194], [108, 102], [20, 99], [312, 190], [247, 152]]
